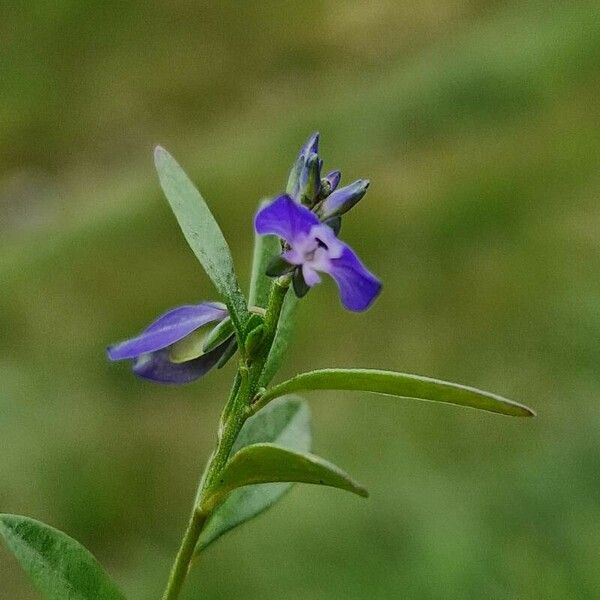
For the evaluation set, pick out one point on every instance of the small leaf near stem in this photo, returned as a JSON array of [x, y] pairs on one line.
[[285, 422], [268, 463]]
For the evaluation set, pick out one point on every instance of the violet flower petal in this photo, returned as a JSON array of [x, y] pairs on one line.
[[358, 286], [157, 367], [286, 219], [168, 329]]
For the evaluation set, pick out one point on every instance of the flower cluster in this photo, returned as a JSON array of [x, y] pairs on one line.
[[307, 218]]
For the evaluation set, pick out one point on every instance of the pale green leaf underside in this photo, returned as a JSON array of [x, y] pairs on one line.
[[267, 463], [59, 567], [190, 347], [201, 231], [286, 421], [398, 384]]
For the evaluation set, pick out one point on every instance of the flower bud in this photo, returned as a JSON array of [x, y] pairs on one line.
[[310, 147], [343, 199], [254, 340], [330, 182], [310, 181], [294, 178]]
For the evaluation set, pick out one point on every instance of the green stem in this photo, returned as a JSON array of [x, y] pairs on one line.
[[277, 295], [234, 414], [198, 519], [185, 554]]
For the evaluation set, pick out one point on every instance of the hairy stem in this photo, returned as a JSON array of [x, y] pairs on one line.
[[235, 412], [279, 290]]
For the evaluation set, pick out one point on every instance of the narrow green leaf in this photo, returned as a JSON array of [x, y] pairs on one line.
[[397, 384], [267, 463], [266, 247], [286, 421], [201, 232], [285, 329], [60, 567]]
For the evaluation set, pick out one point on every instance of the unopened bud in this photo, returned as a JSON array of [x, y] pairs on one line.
[[343, 199]]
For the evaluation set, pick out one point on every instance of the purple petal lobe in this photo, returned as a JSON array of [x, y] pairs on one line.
[[343, 199], [286, 219], [157, 367], [358, 286], [168, 329]]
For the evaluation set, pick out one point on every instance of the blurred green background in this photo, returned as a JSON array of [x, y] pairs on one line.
[[479, 126]]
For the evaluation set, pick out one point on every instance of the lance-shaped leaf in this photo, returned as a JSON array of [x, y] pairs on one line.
[[267, 463], [266, 247], [201, 232], [286, 422], [396, 384], [60, 567]]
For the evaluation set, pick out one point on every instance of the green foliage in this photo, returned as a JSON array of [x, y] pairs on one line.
[[266, 463], [202, 233], [397, 384], [286, 422], [60, 567], [254, 340], [479, 127], [266, 247], [285, 328]]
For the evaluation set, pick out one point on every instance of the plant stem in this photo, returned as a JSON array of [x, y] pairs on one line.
[[233, 417], [185, 554], [277, 295]]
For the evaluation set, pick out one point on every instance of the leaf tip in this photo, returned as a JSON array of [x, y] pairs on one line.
[[528, 412], [521, 410], [361, 491], [160, 155]]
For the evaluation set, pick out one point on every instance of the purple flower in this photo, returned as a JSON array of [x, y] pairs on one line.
[[312, 247], [151, 350]]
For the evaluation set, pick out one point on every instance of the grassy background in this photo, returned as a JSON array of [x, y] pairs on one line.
[[479, 126]]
